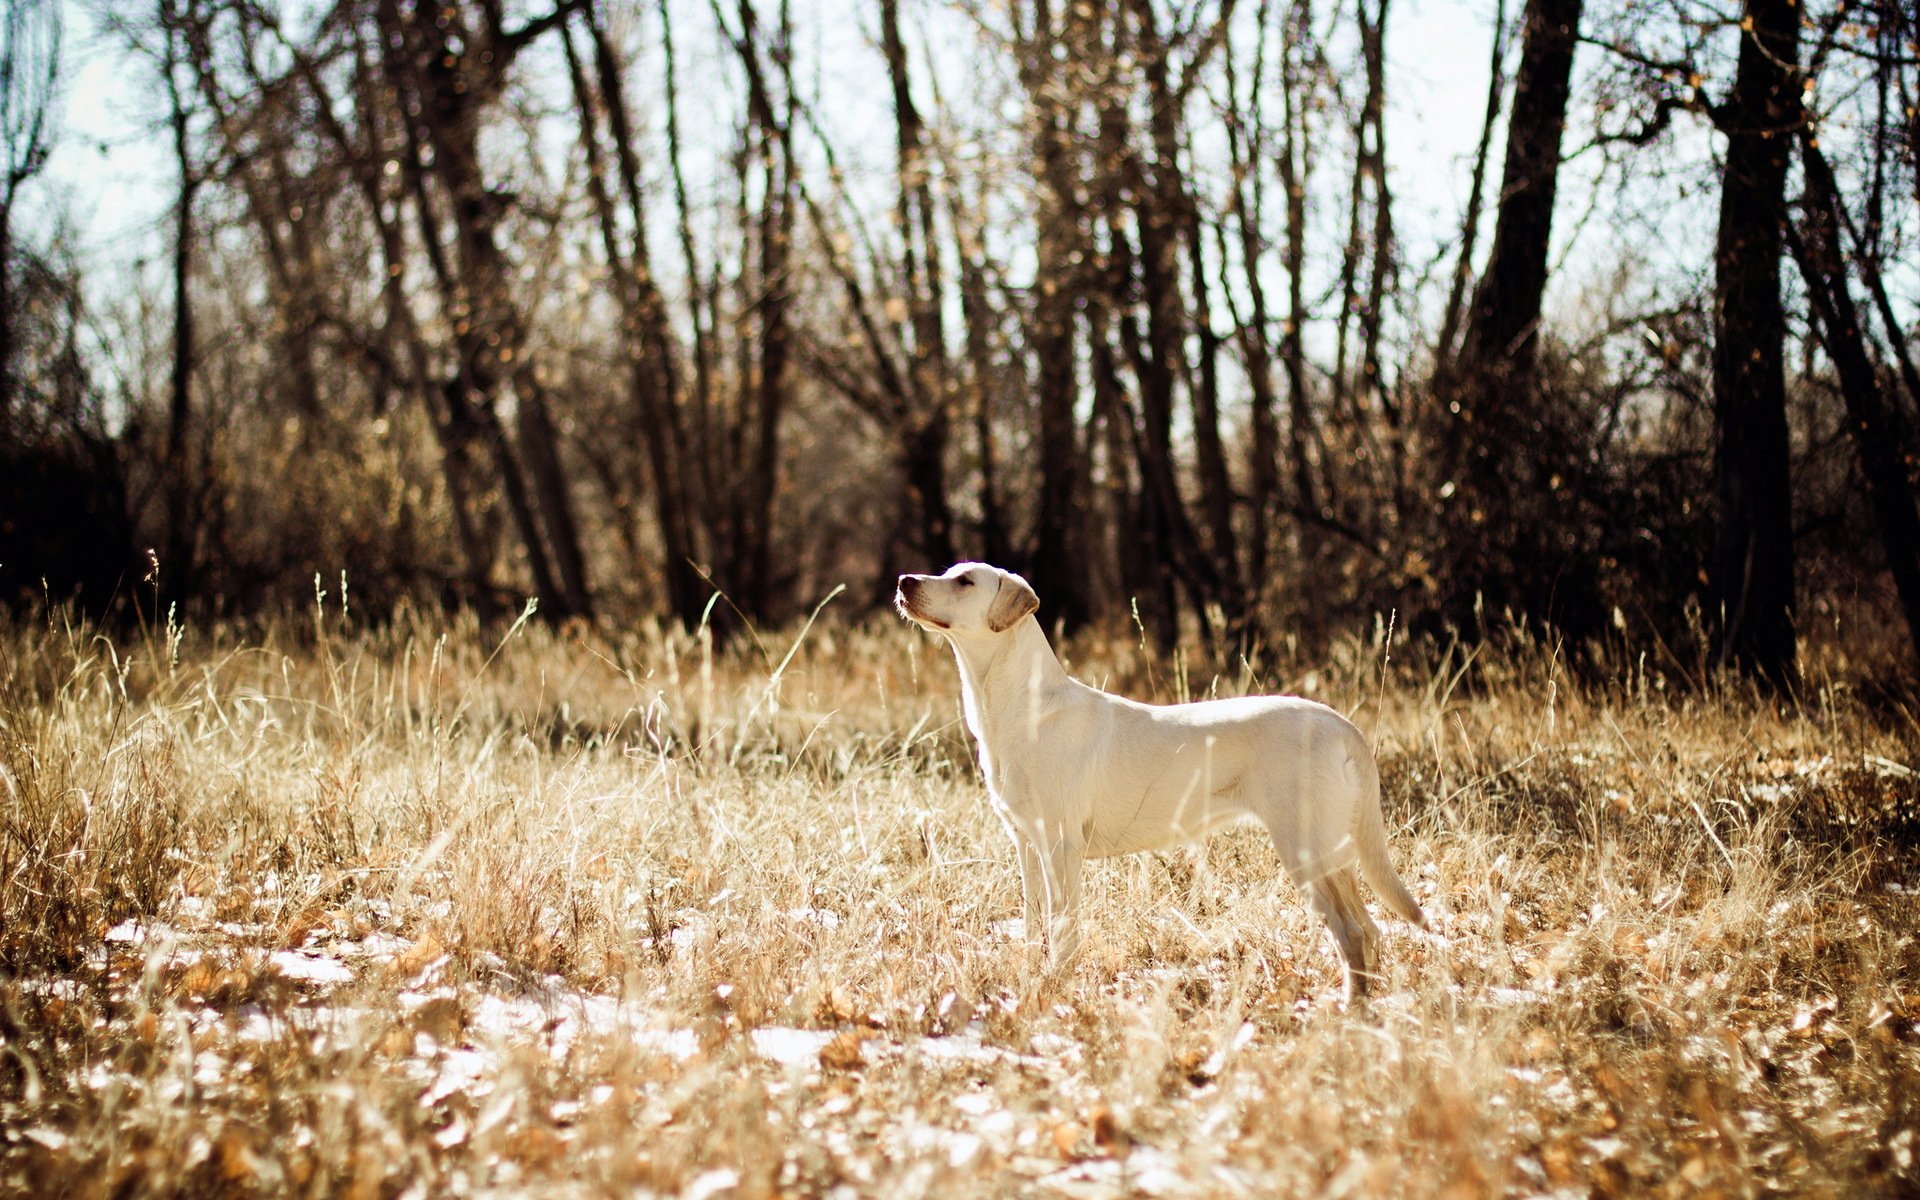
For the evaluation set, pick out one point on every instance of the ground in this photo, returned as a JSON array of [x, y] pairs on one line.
[[317, 907]]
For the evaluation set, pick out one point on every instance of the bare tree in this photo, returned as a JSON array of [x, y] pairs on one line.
[[1503, 323], [1246, 147], [1300, 68], [1042, 43], [766, 60], [1876, 430], [1453, 314], [932, 393], [1753, 577], [174, 18], [1500, 557], [892, 361], [1170, 225], [29, 80], [445, 74], [1369, 218], [650, 344]]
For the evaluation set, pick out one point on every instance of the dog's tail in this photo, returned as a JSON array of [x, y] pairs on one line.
[[1370, 836]]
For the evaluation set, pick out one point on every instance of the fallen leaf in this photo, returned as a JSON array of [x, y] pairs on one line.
[[416, 958], [846, 1052], [1066, 1137], [238, 1163]]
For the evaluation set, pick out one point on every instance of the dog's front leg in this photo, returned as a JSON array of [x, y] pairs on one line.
[[1033, 886], [1066, 854], [1033, 873]]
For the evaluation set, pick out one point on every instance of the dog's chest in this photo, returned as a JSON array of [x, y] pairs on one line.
[[1004, 791]]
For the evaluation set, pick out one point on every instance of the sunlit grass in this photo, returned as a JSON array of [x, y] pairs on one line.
[[315, 908]]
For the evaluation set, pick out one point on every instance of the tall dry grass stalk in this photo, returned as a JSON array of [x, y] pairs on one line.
[[423, 910]]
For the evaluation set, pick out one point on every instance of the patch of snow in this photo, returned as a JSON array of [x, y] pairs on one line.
[[709, 1184], [1054, 1045], [791, 1047], [977, 1104], [460, 1071], [310, 968], [961, 1148], [971, 1047], [677, 1044], [134, 932]]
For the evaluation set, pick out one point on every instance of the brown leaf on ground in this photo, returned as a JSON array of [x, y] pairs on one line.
[[846, 1052]]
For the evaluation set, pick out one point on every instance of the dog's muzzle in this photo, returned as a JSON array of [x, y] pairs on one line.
[[906, 600], [905, 594]]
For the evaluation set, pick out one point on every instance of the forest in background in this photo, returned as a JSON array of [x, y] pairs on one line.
[[617, 306]]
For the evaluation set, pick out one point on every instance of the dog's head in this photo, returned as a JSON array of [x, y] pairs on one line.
[[970, 598]]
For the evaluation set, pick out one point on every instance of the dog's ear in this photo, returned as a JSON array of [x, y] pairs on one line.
[[1013, 601]]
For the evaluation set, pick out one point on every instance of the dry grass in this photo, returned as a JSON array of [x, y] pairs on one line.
[[322, 910]]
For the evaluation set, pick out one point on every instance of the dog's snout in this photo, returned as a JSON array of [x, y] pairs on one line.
[[909, 599]]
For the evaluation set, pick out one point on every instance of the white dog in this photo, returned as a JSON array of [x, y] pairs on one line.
[[1075, 772]]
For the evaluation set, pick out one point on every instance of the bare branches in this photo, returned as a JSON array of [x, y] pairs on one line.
[[30, 38], [29, 84]]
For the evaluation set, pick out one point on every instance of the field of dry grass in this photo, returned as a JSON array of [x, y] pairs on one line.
[[318, 909]]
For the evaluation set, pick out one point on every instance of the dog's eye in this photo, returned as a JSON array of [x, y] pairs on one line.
[[964, 581]]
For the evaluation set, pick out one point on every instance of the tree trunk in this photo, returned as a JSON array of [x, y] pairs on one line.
[[977, 317], [1369, 174], [767, 383], [1876, 434], [540, 446], [704, 475], [1168, 218], [451, 71], [1753, 546], [6, 317], [1244, 150], [1500, 331], [931, 393], [1296, 159], [1056, 568], [653, 381], [1499, 555], [180, 486], [1452, 314], [1381, 271]]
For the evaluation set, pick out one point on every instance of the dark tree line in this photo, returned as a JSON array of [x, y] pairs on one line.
[[618, 306]]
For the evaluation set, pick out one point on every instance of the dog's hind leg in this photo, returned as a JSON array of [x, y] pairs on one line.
[[1336, 897]]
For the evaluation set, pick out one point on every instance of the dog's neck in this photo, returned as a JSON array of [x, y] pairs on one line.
[[1003, 679]]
